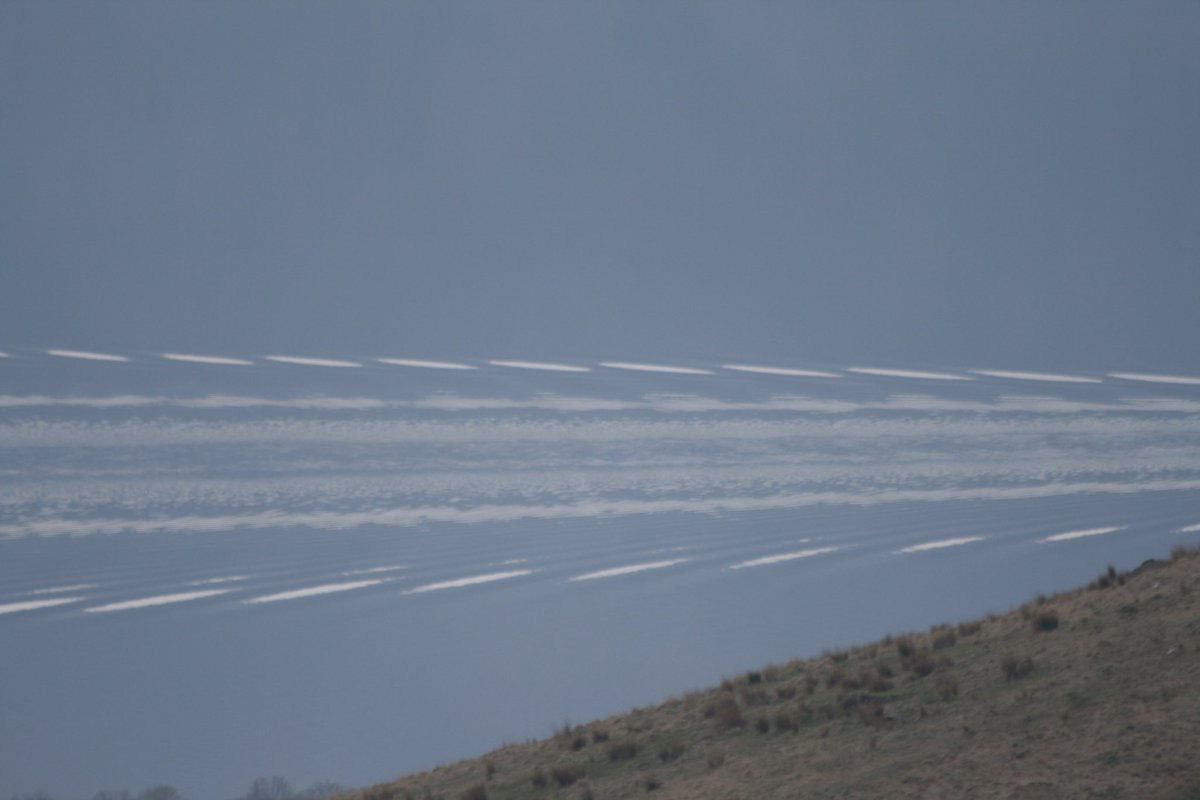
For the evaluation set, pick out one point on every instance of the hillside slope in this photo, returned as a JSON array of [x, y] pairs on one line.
[[1090, 693]]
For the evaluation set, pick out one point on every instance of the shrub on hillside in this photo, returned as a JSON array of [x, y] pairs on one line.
[[567, 774], [671, 751], [1015, 668], [623, 749], [969, 628], [476, 792], [1044, 621]]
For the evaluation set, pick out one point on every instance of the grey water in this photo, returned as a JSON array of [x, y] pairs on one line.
[[210, 572]]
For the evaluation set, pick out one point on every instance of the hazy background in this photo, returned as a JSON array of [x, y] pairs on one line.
[[979, 184]]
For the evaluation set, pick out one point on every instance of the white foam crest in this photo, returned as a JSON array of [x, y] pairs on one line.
[[86, 355], [1191, 528], [222, 579], [313, 362], [314, 591], [908, 373], [157, 600], [781, 557], [1064, 537], [75, 587], [374, 570], [417, 362], [1035, 376], [789, 371], [471, 581], [33, 605], [628, 570], [3, 355], [542, 365], [939, 544], [194, 359], [1179, 380], [412, 516], [637, 367]]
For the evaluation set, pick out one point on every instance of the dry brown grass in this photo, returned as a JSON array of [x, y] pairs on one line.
[[1104, 706]]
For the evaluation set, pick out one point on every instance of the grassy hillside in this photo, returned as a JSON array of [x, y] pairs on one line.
[[1090, 693]]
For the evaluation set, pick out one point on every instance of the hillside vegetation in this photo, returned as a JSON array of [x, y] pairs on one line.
[[1091, 693]]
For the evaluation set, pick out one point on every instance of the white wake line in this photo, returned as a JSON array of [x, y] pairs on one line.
[[939, 544], [542, 365], [471, 581], [223, 579], [417, 362], [313, 362], [194, 359], [789, 371], [374, 570], [1035, 376], [636, 367], [425, 515], [158, 600], [75, 587], [1185, 380], [1063, 537], [85, 355], [1191, 529], [33, 605], [628, 570], [314, 591], [909, 373], [781, 557], [672, 403]]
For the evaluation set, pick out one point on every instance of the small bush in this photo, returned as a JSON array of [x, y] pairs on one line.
[[727, 685], [755, 697], [947, 688], [650, 782], [884, 671], [624, 749], [943, 639], [539, 779], [754, 677], [1015, 668], [880, 685], [567, 775], [599, 735], [771, 674], [871, 715], [835, 677], [921, 663], [671, 751], [785, 692], [727, 714], [489, 769], [839, 656], [1044, 621], [906, 647], [476, 792], [784, 722], [715, 759], [578, 742], [811, 682], [969, 628], [762, 725]]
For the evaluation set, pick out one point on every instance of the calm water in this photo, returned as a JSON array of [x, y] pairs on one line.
[[211, 571]]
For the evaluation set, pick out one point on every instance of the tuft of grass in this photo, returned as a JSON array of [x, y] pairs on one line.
[[1014, 667], [599, 735], [784, 722], [568, 774], [671, 751], [622, 750], [715, 759], [947, 688], [539, 779], [650, 782], [754, 676], [762, 725], [906, 647], [489, 769]]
